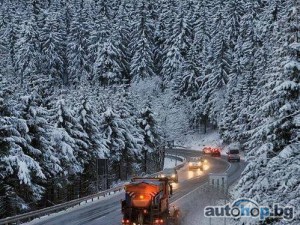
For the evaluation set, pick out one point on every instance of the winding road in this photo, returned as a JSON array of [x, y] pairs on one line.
[[107, 210]]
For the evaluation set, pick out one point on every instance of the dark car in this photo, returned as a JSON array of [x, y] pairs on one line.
[[216, 152], [170, 173], [233, 155]]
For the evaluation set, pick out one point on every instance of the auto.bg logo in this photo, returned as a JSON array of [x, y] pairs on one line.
[[244, 207]]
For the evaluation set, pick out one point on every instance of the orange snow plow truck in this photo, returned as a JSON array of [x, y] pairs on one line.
[[147, 203]]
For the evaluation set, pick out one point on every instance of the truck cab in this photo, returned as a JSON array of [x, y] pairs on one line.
[[147, 202]]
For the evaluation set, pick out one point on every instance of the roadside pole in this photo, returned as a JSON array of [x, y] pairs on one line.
[[171, 145], [176, 156], [97, 169]]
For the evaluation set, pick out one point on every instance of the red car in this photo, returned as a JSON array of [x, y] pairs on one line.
[[216, 152]]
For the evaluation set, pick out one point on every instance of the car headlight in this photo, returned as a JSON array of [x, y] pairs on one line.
[[162, 175], [205, 160], [173, 176], [190, 164]]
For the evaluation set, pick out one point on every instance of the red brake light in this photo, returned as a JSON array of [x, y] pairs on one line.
[[159, 221]]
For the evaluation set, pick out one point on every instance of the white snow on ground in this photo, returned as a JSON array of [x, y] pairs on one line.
[[198, 141], [170, 163]]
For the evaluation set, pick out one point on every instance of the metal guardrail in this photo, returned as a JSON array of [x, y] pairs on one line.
[[182, 159], [52, 209], [26, 217]]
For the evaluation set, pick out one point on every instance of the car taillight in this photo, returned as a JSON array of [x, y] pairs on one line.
[[125, 221], [159, 221]]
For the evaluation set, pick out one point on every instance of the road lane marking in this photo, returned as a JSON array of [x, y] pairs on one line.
[[229, 166], [96, 215], [189, 192]]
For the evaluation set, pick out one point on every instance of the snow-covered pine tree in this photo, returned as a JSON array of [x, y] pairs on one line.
[[120, 142], [210, 103], [181, 35], [159, 44], [100, 31], [108, 69], [40, 134], [79, 66], [10, 19], [201, 34], [142, 61], [125, 108], [72, 141], [20, 173], [124, 32], [28, 52], [228, 123], [274, 142], [188, 83], [218, 77], [141, 65], [250, 62], [53, 44], [163, 30], [234, 11], [97, 149], [172, 66], [72, 145], [152, 139]]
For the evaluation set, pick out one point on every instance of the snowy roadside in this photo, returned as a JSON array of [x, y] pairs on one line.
[[169, 163], [197, 141]]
